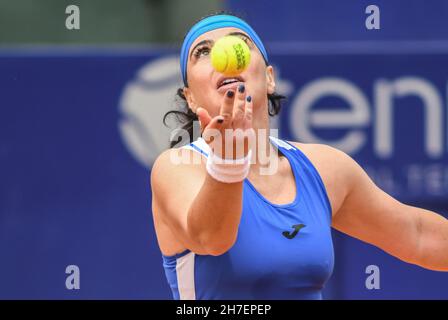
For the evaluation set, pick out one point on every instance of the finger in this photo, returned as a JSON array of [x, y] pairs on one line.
[[248, 113], [238, 107], [204, 117], [213, 129], [227, 108]]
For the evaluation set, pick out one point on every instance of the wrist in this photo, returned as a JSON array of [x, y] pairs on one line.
[[228, 170]]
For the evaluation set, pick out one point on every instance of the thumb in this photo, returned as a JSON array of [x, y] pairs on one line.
[[204, 117]]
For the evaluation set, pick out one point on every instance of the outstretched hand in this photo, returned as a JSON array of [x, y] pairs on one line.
[[229, 133]]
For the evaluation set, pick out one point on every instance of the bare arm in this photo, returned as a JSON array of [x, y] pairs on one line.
[[412, 234], [202, 212]]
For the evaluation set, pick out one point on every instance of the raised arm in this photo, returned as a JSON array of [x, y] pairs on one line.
[[203, 213]]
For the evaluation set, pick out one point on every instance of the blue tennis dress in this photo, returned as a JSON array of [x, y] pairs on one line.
[[281, 252]]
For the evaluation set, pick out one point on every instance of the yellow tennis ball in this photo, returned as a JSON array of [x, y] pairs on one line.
[[230, 55]]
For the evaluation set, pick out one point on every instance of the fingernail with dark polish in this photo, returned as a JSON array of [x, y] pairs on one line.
[[241, 88], [230, 94], [249, 98], [220, 120]]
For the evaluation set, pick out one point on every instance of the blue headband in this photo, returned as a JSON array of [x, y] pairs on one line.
[[212, 23]]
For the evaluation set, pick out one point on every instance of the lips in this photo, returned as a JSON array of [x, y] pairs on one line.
[[229, 83]]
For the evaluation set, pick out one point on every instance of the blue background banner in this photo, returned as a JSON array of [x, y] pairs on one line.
[[79, 132], [80, 128]]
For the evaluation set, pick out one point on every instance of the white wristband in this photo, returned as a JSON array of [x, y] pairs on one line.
[[228, 170]]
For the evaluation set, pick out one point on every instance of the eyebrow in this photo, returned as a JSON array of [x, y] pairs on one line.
[[209, 42], [200, 43], [238, 33]]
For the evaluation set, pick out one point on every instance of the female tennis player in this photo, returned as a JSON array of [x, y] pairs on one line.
[[227, 231]]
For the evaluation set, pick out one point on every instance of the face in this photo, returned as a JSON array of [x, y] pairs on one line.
[[204, 82]]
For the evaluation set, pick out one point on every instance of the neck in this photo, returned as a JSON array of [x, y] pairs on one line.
[[266, 155]]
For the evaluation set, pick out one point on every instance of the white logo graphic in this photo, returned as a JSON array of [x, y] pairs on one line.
[[373, 20], [373, 280], [144, 102], [72, 281], [72, 22], [379, 114]]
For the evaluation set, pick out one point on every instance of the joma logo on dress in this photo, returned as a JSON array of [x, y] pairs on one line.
[[296, 228]]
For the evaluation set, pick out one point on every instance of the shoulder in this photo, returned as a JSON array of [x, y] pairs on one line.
[[337, 169], [326, 157], [175, 167], [176, 176]]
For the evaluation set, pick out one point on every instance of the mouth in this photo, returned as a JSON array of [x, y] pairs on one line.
[[229, 83]]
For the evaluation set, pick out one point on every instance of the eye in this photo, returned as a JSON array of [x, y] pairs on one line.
[[246, 39], [201, 51]]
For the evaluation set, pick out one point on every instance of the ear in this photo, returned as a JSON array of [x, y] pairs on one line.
[[270, 79], [190, 99]]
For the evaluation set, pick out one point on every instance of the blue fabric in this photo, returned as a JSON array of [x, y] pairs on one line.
[[169, 264], [212, 23], [263, 263]]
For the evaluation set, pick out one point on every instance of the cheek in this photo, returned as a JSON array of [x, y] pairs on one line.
[[257, 69], [257, 86], [257, 78], [199, 80], [198, 74], [203, 89]]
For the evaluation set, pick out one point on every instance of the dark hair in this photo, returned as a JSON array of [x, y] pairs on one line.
[[186, 117]]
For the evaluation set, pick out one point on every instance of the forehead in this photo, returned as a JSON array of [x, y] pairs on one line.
[[215, 35]]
